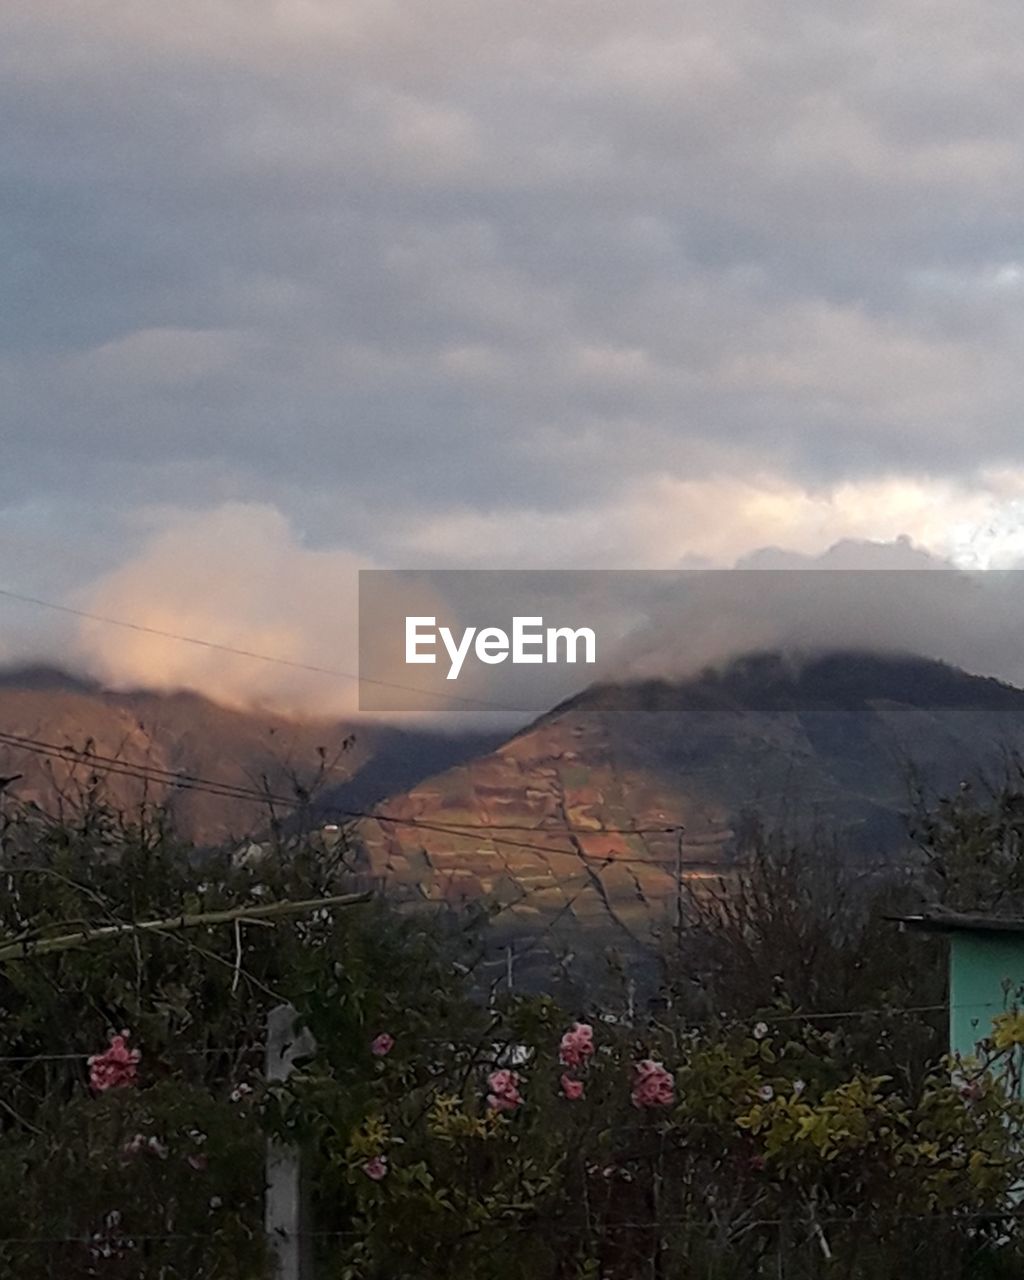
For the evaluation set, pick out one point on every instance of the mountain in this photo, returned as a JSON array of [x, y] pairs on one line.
[[566, 822], [580, 824], [147, 732]]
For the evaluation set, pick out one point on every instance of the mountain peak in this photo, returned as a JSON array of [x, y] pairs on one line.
[[778, 681]]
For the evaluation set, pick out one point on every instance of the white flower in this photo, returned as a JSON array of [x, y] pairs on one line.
[[760, 1030], [766, 1093]]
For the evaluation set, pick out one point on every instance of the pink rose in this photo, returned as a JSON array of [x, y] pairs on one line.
[[653, 1086], [572, 1089], [576, 1046], [376, 1168], [504, 1092], [115, 1067], [382, 1045]]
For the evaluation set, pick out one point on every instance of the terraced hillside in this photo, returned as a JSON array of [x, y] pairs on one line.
[[572, 824]]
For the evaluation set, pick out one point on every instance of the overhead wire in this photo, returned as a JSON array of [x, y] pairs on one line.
[[240, 652], [161, 776], [168, 777]]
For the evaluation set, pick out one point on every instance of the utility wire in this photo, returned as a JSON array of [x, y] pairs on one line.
[[168, 777], [461, 830], [80, 755], [770, 1019], [143, 771], [122, 1238], [239, 652]]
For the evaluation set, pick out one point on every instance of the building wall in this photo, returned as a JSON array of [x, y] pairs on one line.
[[986, 978]]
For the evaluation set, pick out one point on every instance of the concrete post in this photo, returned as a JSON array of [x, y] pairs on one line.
[[284, 1216]]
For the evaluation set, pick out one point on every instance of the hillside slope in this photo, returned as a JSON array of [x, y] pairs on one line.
[[190, 735], [834, 741]]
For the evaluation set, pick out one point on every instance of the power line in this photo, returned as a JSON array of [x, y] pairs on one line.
[[122, 1238], [169, 777], [176, 776], [145, 771], [461, 830], [239, 652], [768, 1018], [232, 791], [168, 1052]]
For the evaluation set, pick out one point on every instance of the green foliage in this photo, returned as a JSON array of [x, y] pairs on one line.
[[195, 1002], [163, 1181], [780, 1143], [973, 843]]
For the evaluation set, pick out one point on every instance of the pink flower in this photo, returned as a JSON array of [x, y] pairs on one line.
[[571, 1088], [115, 1067], [376, 1168], [504, 1092], [577, 1046], [653, 1086], [382, 1045]]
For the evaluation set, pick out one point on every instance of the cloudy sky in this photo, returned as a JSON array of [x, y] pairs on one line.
[[298, 285]]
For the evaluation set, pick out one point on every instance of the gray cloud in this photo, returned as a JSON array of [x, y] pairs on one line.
[[468, 282], [240, 577]]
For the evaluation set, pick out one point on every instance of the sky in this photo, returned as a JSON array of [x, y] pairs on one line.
[[293, 287]]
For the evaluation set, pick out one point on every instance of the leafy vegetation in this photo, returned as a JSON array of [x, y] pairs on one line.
[[728, 1131]]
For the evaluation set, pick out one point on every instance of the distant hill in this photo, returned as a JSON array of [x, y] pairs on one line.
[[190, 735], [832, 740], [572, 822]]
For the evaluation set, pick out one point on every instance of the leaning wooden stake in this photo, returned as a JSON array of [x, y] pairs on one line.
[[193, 920]]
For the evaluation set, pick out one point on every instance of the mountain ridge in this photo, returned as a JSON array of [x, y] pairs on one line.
[[186, 734], [617, 791], [580, 824]]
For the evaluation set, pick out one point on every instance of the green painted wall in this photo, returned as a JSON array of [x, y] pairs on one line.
[[986, 976]]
